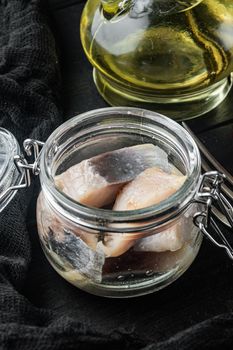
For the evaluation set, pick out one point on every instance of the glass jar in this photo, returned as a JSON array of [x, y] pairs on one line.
[[9, 174], [174, 57], [70, 232], [80, 242]]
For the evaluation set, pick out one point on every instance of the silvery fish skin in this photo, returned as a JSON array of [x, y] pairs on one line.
[[48, 220], [95, 182], [149, 188], [70, 249]]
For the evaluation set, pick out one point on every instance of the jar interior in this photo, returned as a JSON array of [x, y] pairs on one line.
[[72, 234], [114, 133], [109, 129]]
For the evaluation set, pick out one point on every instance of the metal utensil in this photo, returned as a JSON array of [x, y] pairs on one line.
[[209, 163]]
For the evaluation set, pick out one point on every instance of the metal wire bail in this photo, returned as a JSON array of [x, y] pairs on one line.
[[29, 145], [32, 148], [210, 194]]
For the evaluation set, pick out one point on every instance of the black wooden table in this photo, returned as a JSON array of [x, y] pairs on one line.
[[204, 291]]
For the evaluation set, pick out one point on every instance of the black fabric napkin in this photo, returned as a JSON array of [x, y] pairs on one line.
[[187, 315], [29, 107]]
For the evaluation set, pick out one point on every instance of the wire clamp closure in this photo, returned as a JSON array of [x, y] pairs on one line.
[[210, 194], [33, 149]]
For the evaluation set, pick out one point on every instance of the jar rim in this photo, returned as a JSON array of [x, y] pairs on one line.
[[167, 209], [9, 175]]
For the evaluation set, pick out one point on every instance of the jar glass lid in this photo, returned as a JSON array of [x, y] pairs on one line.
[[9, 175]]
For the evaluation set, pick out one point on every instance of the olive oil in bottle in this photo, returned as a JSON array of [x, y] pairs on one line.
[[172, 56]]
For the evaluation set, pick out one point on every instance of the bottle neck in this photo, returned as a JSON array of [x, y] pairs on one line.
[[139, 8], [116, 7]]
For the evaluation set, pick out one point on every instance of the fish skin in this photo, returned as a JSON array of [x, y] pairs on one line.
[[48, 220], [149, 188], [74, 248], [83, 186], [95, 182]]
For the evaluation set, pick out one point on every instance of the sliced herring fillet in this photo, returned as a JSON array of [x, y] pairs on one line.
[[171, 239], [95, 182], [150, 187]]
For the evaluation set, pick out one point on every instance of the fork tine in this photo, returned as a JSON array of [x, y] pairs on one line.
[[220, 217], [209, 156], [224, 188]]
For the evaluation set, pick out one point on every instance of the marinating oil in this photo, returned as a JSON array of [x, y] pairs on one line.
[[172, 56]]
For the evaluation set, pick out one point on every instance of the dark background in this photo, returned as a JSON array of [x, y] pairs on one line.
[[204, 291]]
